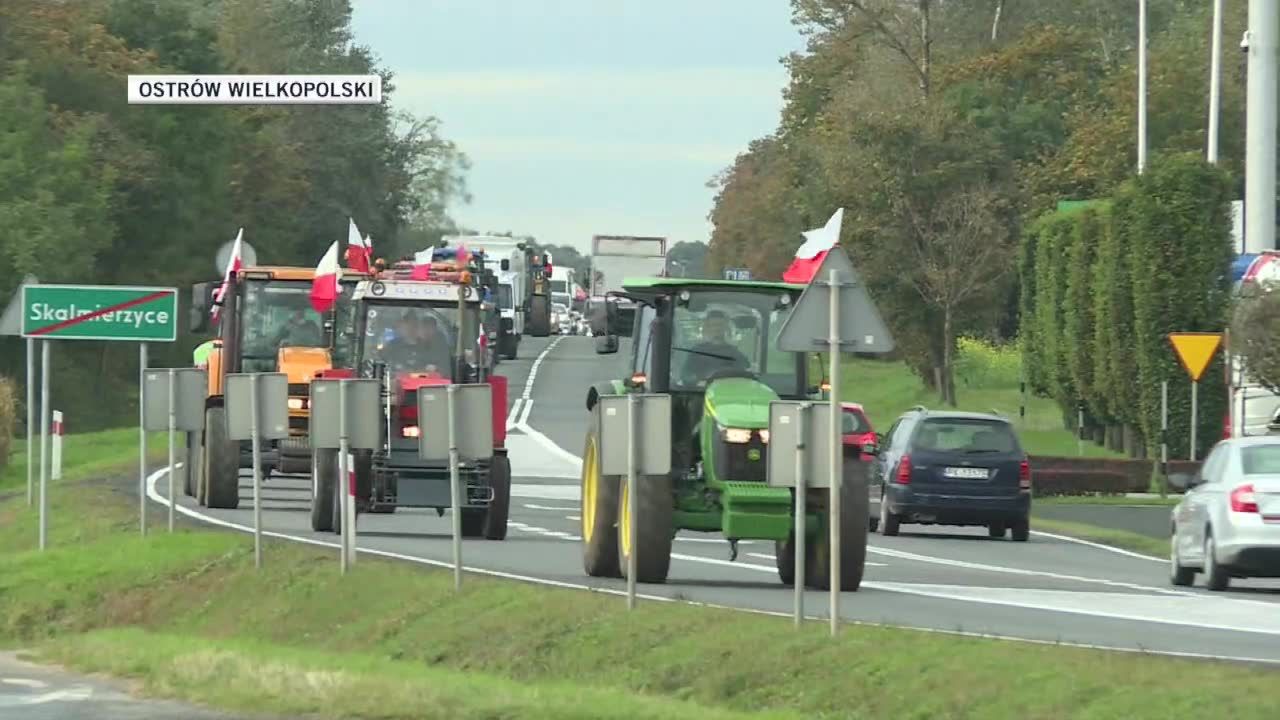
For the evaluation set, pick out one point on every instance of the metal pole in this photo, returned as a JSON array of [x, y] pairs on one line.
[[455, 502], [44, 440], [31, 419], [1022, 408], [802, 428], [1215, 82], [257, 463], [1080, 430], [837, 470], [1194, 387], [142, 438], [173, 422], [1164, 437], [1142, 85], [344, 482], [1260, 128], [632, 540]]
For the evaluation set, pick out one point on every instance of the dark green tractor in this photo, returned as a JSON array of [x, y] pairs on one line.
[[712, 346]]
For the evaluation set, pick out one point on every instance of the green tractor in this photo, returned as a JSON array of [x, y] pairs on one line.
[[712, 346]]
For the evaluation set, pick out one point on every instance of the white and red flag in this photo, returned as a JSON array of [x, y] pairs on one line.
[[234, 263], [422, 264], [324, 288], [817, 243], [359, 249]]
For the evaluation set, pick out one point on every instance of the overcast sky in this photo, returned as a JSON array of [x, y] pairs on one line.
[[587, 117]]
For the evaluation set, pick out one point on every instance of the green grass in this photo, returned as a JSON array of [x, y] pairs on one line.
[[1106, 536], [85, 455], [187, 616], [1108, 500]]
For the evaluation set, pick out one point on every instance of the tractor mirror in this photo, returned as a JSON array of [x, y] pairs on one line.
[[603, 318], [505, 264], [201, 295]]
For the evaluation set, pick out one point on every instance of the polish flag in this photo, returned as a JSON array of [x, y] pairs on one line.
[[234, 263], [324, 288], [814, 250], [422, 264], [359, 248]]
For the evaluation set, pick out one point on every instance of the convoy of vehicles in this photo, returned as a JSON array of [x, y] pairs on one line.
[[411, 334], [265, 324], [614, 257]]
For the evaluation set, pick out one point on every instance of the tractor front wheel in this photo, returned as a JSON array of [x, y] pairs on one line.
[[495, 518], [221, 462], [854, 508], [599, 510], [654, 528], [192, 465]]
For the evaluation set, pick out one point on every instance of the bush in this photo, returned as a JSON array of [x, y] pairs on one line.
[[1114, 365], [8, 419], [984, 365], [1048, 483]]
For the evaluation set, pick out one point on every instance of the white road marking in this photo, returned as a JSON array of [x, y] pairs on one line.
[[1100, 546], [79, 693], [531, 506], [514, 414], [25, 682]]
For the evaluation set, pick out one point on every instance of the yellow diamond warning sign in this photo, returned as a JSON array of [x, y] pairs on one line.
[[1195, 351]]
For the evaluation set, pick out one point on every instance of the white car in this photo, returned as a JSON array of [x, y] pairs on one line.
[[1228, 522]]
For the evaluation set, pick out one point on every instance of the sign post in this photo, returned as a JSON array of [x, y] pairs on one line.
[[1195, 351], [836, 314], [462, 432], [257, 410], [44, 437], [344, 417], [635, 440], [800, 424], [173, 401], [142, 438]]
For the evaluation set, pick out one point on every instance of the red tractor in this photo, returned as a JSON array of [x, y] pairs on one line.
[[412, 333]]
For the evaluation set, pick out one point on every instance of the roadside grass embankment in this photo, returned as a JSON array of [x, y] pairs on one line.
[[187, 616], [86, 455]]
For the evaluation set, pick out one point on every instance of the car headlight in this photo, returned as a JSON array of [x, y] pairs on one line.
[[737, 435]]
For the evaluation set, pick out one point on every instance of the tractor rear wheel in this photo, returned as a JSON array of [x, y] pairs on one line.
[[192, 464], [599, 510], [854, 507], [221, 462], [654, 528], [495, 518], [539, 316], [324, 475]]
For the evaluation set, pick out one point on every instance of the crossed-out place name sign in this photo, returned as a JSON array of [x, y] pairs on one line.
[[100, 312]]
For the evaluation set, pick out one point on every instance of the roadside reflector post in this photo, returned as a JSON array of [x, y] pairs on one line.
[[142, 438], [635, 441], [344, 478], [44, 440], [55, 472], [805, 426], [1164, 438], [455, 425], [257, 410], [173, 417], [1080, 430]]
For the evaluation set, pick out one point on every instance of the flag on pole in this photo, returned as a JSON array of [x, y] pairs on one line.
[[422, 264], [324, 288], [358, 249], [234, 263], [817, 243]]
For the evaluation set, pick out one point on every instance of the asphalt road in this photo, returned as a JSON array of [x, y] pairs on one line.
[[1050, 589]]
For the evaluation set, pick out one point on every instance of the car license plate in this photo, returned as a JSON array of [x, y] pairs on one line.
[[965, 473]]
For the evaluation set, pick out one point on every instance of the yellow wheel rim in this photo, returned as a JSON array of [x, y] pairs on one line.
[[590, 486], [624, 523]]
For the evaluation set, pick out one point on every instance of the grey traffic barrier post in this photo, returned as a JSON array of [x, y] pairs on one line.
[[641, 425], [455, 424], [802, 425], [257, 410], [343, 414], [172, 401]]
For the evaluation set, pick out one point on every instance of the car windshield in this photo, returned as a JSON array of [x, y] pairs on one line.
[[1261, 459], [967, 435], [276, 314], [855, 422], [417, 337], [722, 330], [560, 286]]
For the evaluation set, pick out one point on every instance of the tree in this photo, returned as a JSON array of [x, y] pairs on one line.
[[1254, 329], [689, 259]]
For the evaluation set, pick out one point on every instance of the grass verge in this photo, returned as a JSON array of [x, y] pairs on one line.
[[86, 455], [1116, 500], [1107, 536], [188, 616]]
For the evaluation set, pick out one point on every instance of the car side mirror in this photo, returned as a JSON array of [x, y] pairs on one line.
[[201, 296]]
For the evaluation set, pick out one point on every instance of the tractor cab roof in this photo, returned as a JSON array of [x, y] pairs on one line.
[[651, 288]]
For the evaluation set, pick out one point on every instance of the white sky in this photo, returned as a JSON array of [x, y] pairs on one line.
[[585, 117]]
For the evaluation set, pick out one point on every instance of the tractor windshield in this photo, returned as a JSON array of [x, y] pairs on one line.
[[732, 330], [418, 338], [276, 314]]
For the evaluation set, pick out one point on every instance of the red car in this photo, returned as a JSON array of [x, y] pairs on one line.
[[857, 430]]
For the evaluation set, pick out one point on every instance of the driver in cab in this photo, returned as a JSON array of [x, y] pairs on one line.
[[714, 352], [419, 346]]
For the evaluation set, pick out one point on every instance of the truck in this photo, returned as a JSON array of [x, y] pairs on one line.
[[562, 285], [612, 258], [531, 273], [266, 324], [393, 475]]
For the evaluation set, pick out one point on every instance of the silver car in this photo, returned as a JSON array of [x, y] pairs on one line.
[[1228, 522]]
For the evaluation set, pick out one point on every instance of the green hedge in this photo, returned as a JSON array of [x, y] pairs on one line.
[[1078, 310], [1052, 244], [1114, 365]]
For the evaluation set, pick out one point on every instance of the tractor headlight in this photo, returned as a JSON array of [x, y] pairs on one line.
[[764, 436], [737, 435], [297, 403]]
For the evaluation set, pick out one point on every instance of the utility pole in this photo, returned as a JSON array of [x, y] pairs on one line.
[[1142, 86], [1215, 83], [1260, 133]]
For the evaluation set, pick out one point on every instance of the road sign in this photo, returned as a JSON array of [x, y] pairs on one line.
[[652, 434], [248, 256], [737, 274], [471, 417], [862, 329], [100, 312], [1195, 351], [11, 318], [785, 433]]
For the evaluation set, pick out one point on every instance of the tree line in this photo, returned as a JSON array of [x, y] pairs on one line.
[[948, 128]]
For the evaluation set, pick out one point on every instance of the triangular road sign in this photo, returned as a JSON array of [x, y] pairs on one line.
[[11, 318], [861, 327], [1195, 351]]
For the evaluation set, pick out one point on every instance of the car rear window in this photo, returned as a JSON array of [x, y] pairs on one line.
[[1261, 459], [965, 435], [855, 422]]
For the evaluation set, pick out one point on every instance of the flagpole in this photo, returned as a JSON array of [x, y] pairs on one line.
[[1142, 85], [1215, 83]]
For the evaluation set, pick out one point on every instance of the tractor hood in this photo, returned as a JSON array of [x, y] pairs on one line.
[[302, 363], [740, 403], [409, 382]]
